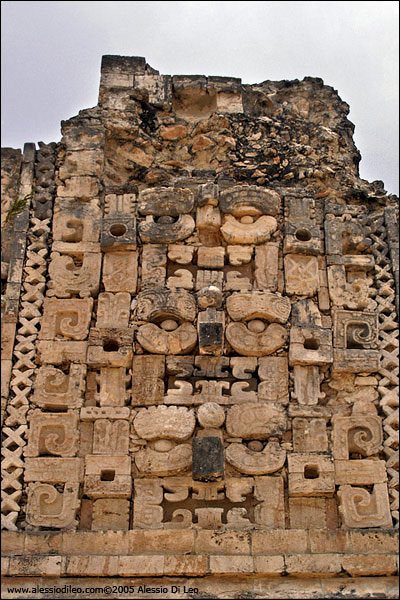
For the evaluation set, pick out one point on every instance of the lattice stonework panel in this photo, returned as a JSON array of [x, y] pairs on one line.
[[202, 352]]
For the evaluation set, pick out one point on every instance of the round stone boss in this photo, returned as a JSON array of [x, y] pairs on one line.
[[210, 414]]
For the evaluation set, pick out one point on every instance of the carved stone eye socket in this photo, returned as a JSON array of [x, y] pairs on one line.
[[107, 475], [311, 472], [163, 445], [255, 446], [168, 325], [118, 230], [311, 344], [303, 235], [165, 220], [247, 219], [110, 346], [256, 326]]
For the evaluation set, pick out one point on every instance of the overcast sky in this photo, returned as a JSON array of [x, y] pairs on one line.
[[51, 55]]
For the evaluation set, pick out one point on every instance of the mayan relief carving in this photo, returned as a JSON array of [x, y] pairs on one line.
[[193, 343]]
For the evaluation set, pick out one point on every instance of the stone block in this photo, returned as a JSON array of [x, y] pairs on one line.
[[82, 543], [269, 565], [360, 472], [357, 565], [141, 566], [214, 542], [307, 513], [110, 513], [43, 543], [108, 476], [120, 272], [194, 566], [311, 475], [92, 566], [279, 541], [207, 457], [227, 565], [12, 542], [160, 541], [35, 566], [315, 565], [211, 258]]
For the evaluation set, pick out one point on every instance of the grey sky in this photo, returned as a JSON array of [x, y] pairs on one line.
[[51, 54]]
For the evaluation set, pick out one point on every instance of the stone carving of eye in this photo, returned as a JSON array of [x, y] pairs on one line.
[[168, 325], [256, 325]]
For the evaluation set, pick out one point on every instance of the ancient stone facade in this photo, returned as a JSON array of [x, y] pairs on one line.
[[200, 344]]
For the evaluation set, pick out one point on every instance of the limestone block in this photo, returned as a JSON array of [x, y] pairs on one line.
[[307, 513], [274, 375], [360, 472], [182, 366], [118, 232], [360, 565], [110, 513], [311, 475], [258, 305], [310, 412], [235, 281], [110, 437], [211, 258], [255, 338], [157, 340], [307, 385], [238, 199], [119, 204], [310, 346], [92, 413], [81, 162], [146, 510], [243, 366], [256, 421], [269, 459], [355, 339], [266, 267], [166, 230], [321, 565], [210, 328], [113, 310], [182, 278], [222, 543], [170, 423], [270, 512], [83, 188], [74, 223], [247, 230], [361, 434], [359, 508], [47, 507], [240, 255], [162, 201], [112, 384], [178, 253], [108, 476], [208, 279], [57, 389], [301, 275], [345, 236], [59, 353], [208, 219], [155, 303], [350, 292], [63, 319], [54, 470], [106, 356], [55, 434], [148, 380], [170, 460], [302, 238], [211, 367], [154, 265], [74, 275], [120, 272], [309, 435]]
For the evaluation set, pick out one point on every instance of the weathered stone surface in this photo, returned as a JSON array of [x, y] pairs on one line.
[[200, 345]]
